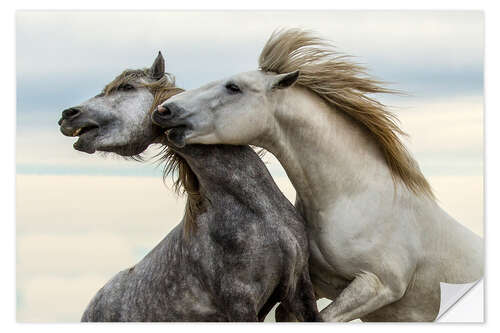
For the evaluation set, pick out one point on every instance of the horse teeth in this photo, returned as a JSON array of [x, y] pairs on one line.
[[77, 131]]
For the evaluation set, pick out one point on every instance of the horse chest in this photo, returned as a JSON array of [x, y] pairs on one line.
[[340, 243]]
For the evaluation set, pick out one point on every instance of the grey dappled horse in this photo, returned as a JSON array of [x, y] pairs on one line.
[[241, 246]]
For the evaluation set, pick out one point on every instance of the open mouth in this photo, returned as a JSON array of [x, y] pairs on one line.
[[177, 135], [86, 135], [82, 130]]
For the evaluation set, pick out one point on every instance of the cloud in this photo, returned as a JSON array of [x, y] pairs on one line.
[[396, 35], [444, 125], [462, 198], [75, 254], [429, 54], [446, 135], [65, 57], [57, 299], [65, 204], [46, 150]]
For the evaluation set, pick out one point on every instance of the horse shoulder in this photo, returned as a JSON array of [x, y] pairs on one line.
[[366, 234]]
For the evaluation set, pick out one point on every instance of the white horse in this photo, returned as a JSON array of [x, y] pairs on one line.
[[380, 244]]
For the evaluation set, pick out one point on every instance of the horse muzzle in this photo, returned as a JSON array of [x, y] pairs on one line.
[[168, 115]]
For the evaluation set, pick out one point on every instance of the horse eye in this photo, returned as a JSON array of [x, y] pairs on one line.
[[126, 87], [233, 88]]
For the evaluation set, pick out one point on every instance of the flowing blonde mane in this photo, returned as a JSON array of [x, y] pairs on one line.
[[344, 85], [184, 179]]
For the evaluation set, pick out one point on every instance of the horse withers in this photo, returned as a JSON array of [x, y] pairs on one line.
[[241, 246]]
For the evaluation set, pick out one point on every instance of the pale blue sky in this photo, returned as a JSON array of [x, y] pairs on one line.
[[64, 58]]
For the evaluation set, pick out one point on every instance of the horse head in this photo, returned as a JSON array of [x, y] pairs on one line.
[[118, 119]]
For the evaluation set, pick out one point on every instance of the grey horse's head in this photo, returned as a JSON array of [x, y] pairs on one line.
[[118, 119]]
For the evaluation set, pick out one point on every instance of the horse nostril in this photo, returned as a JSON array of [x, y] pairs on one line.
[[70, 113], [163, 110]]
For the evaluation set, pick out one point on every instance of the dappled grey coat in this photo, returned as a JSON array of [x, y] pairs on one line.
[[246, 251]]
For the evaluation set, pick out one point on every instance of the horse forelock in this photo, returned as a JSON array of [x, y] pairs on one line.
[[184, 179], [344, 85]]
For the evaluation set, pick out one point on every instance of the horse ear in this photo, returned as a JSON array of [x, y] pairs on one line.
[[158, 67], [286, 80]]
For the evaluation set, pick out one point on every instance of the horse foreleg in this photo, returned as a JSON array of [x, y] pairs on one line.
[[238, 298], [283, 314], [365, 294], [301, 306]]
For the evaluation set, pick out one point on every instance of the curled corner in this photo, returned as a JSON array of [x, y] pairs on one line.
[[451, 294]]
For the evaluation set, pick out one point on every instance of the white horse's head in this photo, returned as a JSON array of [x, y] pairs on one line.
[[236, 110], [118, 119]]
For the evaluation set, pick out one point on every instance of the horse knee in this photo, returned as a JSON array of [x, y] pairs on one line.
[[396, 288], [392, 288]]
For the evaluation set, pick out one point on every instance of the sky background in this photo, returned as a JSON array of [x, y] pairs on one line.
[[82, 218]]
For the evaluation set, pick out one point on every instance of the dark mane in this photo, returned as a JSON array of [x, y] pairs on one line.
[[184, 179]]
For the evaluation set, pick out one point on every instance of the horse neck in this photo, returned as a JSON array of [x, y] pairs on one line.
[[224, 170], [326, 154]]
